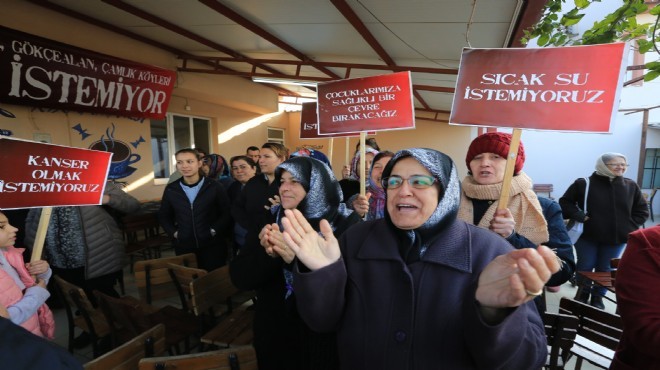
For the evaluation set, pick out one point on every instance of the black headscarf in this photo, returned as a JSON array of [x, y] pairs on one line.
[[324, 197], [443, 169]]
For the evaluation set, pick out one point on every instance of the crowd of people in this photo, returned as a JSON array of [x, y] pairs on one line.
[[423, 269]]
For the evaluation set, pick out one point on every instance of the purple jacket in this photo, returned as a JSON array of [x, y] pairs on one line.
[[390, 315]]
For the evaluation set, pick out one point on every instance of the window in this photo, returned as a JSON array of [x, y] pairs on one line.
[[651, 176], [173, 133], [276, 135]]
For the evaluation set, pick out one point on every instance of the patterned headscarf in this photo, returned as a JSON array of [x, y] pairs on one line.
[[444, 170], [217, 166], [355, 164], [324, 198]]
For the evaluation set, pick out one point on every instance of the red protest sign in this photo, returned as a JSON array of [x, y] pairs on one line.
[[39, 72], [366, 104], [50, 175], [568, 88], [309, 127]]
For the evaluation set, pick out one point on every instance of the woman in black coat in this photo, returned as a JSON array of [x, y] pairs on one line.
[[194, 212], [281, 338], [615, 208]]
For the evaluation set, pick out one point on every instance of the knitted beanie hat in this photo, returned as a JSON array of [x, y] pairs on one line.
[[498, 143]]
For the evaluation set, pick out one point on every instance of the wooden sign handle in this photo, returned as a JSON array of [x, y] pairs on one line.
[[38, 247], [508, 171], [363, 162]]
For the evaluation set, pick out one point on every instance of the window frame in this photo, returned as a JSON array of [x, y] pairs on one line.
[[169, 121]]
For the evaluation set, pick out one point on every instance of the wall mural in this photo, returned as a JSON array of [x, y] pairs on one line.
[[9, 114], [122, 157]]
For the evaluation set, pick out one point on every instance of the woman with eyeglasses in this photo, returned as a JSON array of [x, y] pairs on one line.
[[528, 221], [615, 208], [419, 288]]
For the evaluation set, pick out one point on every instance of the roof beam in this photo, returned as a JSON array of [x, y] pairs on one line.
[[98, 23], [359, 26], [181, 31], [245, 23]]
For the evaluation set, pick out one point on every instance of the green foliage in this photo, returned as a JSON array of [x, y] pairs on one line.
[[620, 25]]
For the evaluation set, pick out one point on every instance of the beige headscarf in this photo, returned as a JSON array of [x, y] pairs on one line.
[[523, 204]]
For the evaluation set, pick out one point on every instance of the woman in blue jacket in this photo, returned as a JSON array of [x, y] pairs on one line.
[[194, 211]]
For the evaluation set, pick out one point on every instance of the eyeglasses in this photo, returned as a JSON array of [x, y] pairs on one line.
[[615, 165], [416, 181]]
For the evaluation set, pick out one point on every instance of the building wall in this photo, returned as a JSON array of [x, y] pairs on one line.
[[229, 102]]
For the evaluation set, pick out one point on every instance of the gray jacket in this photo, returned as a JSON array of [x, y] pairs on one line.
[[104, 242]]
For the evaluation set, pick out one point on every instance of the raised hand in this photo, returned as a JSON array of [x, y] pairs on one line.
[[361, 204], [516, 277], [312, 249], [503, 222]]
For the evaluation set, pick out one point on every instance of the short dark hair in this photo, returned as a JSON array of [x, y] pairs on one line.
[[245, 158], [251, 148]]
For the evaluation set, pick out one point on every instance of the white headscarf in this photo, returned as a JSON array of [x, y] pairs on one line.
[[601, 167]]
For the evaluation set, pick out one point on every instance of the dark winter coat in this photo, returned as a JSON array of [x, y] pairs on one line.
[[615, 208], [248, 210], [104, 241], [405, 299], [281, 338], [193, 223]]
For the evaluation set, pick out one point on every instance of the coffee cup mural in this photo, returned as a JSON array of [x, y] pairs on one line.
[[122, 157]]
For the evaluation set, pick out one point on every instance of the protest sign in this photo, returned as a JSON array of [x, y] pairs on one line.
[[366, 104], [40, 174], [568, 88]]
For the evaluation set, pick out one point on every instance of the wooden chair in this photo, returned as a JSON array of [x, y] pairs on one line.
[[560, 330], [143, 236], [243, 358], [216, 289], [135, 317], [181, 277], [597, 336], [127, 356], [153, 280], [89, 320]]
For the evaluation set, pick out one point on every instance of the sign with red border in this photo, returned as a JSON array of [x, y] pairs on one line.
[[43, 175], [572, 88], [39, 72], [366, 104], [309, 127]]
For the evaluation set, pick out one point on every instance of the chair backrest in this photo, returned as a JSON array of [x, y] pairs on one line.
[[127, 356], [124, 314], [614, 264], [76, 299], [560, 330], [597, 325], [153, 280], [140, 226], [242, 357], [182, 276], [213, 289]]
